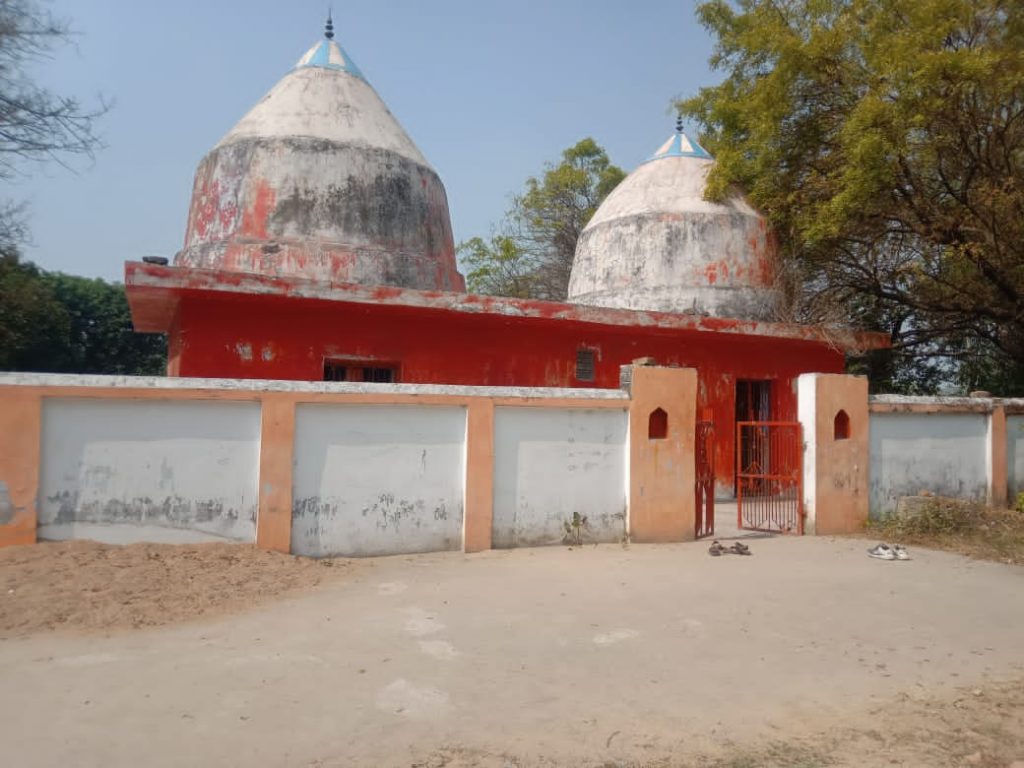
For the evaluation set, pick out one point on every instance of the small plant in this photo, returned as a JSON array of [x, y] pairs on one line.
[[938, 515], [574, 528], [1020, 502]]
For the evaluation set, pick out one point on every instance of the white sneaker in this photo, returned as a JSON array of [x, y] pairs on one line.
[[900, 552], [882, 552]]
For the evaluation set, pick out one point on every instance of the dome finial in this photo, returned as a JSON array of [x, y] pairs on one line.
[[679, 123], [329, 26]]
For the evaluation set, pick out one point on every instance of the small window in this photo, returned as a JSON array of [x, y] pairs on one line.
[[354, 370], [584, 365], [841, 426], [335, 371], [657, 425]]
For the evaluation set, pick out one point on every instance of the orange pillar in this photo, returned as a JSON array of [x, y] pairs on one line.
[[277, 448], [479, 494], [662, 458], [998, 469], [20, 430], [833, 411]]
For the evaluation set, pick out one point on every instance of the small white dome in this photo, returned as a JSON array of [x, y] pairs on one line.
[[657, 244]]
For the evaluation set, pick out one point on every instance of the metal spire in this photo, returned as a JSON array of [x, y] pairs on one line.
[[329, 26]]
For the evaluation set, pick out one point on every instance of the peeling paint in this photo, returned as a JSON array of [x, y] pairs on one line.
[[655, 243], [333, 212], [377, 480], [143, 467], [152, 290]]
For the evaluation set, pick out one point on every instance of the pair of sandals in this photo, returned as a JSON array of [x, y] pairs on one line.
[[738, 548]]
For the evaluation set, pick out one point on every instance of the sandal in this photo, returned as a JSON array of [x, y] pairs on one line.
[[739, 549], [716, 549]]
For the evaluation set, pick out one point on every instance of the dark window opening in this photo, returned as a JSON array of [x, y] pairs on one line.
[[753, 403], [584, 365], [657, 425], [349, 370], [753, 400], [841, 426]]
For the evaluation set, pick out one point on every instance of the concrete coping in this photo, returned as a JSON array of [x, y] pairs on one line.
[[302, 387], [925, 404]]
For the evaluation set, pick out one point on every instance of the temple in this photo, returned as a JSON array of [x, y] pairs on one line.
[[319, 247]]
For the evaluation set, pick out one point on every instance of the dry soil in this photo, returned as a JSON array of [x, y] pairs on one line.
[[82, 585], [807, 653]]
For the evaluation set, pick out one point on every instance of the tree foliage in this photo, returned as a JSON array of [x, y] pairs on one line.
[[532, 255], [884, 139], [57, 323], [36, 125], [499, 267]]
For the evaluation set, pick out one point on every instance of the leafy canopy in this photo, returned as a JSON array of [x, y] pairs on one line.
[[884, 139], [532, 256], [56, 323]]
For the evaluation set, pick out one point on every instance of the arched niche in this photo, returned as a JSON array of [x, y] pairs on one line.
[[841, 426], [657, 425]]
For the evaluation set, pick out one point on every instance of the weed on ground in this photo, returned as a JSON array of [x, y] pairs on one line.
[[958, 526]]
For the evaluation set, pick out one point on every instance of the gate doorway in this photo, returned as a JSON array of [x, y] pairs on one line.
[[769, 470], [705, 476], [753, 403]]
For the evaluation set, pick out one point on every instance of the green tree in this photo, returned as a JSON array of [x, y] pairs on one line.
[[532, 256], [56, 323], [33, 323], [885, 142], [498, 267]]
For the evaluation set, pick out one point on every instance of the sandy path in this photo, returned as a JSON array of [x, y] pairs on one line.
[[551, 655]]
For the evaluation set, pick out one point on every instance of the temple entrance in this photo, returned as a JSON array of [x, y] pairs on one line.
[[769, 464]]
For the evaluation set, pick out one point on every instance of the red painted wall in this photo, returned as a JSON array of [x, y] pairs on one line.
[[281, 338]]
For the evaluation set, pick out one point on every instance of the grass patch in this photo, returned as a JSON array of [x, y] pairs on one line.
[[958, 526]]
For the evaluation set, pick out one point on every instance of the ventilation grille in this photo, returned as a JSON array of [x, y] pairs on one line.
[[584, 365]]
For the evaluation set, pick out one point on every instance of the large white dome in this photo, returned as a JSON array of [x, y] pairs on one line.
[[657, 244], [319, 180]]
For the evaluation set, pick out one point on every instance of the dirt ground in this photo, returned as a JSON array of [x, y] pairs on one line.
[[808, 653], [82, 585]]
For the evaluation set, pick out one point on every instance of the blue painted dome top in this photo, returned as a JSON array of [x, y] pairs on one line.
[[328, 54], [680, 145]]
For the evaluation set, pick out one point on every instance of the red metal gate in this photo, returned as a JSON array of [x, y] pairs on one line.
[[769, 470], [705, 485]]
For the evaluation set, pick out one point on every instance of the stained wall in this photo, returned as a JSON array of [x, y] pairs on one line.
[[377, 479], [316, 468], [551, 464], [273, 338], [128, 470]]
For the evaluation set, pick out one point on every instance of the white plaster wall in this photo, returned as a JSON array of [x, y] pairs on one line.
[[943, 453], [549, 463], [143, 470], [1015, 456], [377, 480], [807, 414]]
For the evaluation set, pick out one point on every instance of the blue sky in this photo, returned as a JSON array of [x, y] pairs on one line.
[[489, 91]]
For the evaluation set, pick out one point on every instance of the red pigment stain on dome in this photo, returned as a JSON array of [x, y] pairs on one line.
[[205, 207], [254, 220]]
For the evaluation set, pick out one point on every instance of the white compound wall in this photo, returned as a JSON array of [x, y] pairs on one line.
[[550, 463], [377, 479], [119, 471]]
